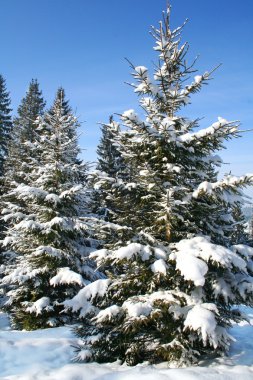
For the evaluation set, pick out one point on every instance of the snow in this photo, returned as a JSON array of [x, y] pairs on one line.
[[67, 276], [244, 250], [131, 250], [202, 317], [159, 266], [191, 256], [38, 306], [200, 246], [52, 198], [227, 182], [50, 251], [198, 79], [29, 192], [136, 309], [108, 313], [220, 126], [47, 355], [89, 292], [192, 268], [130, 115], [141, 70], [27, 225]]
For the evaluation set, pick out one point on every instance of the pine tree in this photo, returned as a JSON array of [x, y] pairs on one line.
[[60, 98], [21, 148], [110, 168], [5, 134], [48, 241], [5, 122], [22, 151], [174, 275], [32, 106], [108, 155]]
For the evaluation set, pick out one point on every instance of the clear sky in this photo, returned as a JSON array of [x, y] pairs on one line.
[[81, 45]]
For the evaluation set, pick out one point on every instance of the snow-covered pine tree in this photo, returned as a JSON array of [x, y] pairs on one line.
[[49, 241], [110, 168], [22, 152], [174, 279], [5, 131], [5, 122], [31, 106], [108, 154], [61, 98]]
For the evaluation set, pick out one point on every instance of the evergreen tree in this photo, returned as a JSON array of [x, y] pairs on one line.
[[108, 155], [21, 147], [32, 106], [60, 98], [174, 275], [5, 134], [110, 168], [22, 150], [48, 241], [5, 122]]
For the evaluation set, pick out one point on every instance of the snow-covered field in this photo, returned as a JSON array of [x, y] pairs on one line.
[[47, 354]]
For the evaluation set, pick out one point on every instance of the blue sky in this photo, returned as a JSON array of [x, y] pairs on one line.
[[81, 45]]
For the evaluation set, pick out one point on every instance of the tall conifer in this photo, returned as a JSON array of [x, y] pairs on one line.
[[5, 122], [174, 274], [48, 241]]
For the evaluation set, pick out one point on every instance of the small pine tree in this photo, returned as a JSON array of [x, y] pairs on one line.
[[48, 242], [174, 275], [5, 122]]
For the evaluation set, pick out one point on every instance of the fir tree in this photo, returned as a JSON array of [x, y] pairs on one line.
[[110, 168], [22, 150], [108, 155], [174, 275], [47, 241], [32, 106], [60, 98], [5, 122], [5, 135]]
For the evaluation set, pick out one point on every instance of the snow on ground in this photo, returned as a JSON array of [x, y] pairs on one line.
[[46, 354]]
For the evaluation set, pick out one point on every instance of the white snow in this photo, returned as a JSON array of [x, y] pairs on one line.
[[159, 266], [47, 250], [141, 70], [27, 225], [136, 309], [144, 251], [191, 267], [244, 250], [130, 115], [89, 292], [227, 183], [108, 313], [198, 79], [67, 276], [200, 247], [39, 305], [47, 355], [53, 198], [202, 317]]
